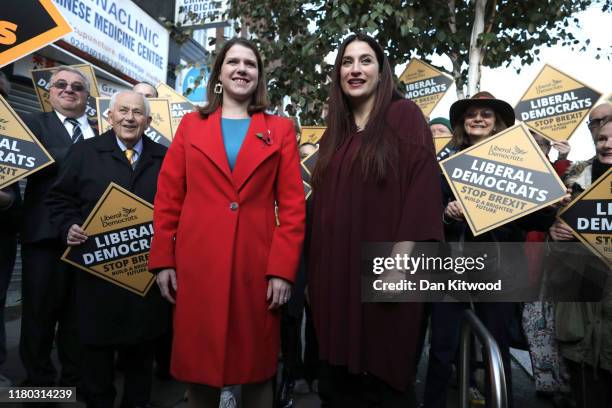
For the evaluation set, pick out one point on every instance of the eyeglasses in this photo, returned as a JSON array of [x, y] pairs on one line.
[[595, 123], [75, 86], [485, 114]]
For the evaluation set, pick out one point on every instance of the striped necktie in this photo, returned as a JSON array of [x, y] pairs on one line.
[[77, 133]]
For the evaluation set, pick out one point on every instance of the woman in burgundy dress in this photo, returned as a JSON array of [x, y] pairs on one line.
[[376, 180]]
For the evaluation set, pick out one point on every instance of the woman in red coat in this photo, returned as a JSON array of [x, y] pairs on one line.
[[219, 253]]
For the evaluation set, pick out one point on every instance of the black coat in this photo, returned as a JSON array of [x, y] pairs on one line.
[[108, 314], [10, 218], [9, 223], [50, 131]]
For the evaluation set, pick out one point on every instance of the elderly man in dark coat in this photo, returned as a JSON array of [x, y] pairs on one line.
[[111, 318]]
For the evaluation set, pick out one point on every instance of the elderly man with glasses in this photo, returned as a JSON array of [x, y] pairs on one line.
[[597, 115], [47, 282]]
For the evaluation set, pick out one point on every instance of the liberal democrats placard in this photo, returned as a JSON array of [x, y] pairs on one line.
[[555, 104], [425, 85], [179, 105], [307, 165], [21, 154], [311, 134], [120, 229], [42, 77], [441, 145], [27, 26], [160, 130], [501, 179], [590, 217]]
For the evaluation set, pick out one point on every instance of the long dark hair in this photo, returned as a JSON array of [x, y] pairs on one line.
[[461, 139], [259, 102], [378, 151]]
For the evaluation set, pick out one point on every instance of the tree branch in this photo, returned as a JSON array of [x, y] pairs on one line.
[[454, 55], [475, 48], [491, 18], [452, 20], [488, 28]]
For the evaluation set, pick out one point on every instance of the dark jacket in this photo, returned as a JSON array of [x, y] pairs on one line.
[[10, 218], [107, 313], [49, 131], [592, 334]]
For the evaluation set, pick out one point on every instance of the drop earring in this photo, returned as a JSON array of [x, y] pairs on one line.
[[218, 88]]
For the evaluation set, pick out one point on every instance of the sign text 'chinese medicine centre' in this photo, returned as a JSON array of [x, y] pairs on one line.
[[120, 34]]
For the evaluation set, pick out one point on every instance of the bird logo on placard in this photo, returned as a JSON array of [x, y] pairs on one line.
[[128, 211], [156, 117]]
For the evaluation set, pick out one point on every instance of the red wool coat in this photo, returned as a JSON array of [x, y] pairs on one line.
[[217, 229]]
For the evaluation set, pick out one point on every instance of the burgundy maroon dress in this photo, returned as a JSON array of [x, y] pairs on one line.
[[378, 338]]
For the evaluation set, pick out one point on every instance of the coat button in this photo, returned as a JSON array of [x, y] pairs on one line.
[[233, 206]]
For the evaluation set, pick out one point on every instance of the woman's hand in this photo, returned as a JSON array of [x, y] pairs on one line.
[[75, 236], [564, 201], [166, 280], [563, 147], [560, 232], [453, 210], [567, 199], [279, 292]]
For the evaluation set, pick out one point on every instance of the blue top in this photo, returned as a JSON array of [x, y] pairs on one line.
[[234, 131]]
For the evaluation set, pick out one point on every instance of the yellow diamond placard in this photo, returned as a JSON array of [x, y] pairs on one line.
[[590, 217], [41, 78], [27, 26], [555, 104], [502, 178], [307, 166], [21, 154], [179, 105], [159, 131], [120, 229], [440, 144], [312, 134], [425, 85]]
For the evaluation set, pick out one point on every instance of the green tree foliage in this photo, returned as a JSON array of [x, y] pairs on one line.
[[293, 52], [295, 36]]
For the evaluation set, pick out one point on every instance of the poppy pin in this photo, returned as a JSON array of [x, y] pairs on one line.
[[265, 137]]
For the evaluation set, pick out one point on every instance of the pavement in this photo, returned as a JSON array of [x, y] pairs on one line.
[[166, 394], [171, 394]]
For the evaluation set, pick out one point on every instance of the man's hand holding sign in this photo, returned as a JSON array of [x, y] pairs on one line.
[[76, 235]]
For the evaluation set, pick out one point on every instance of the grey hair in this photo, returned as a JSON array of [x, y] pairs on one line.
[[604, 121], [147, 106], [74, 71]]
